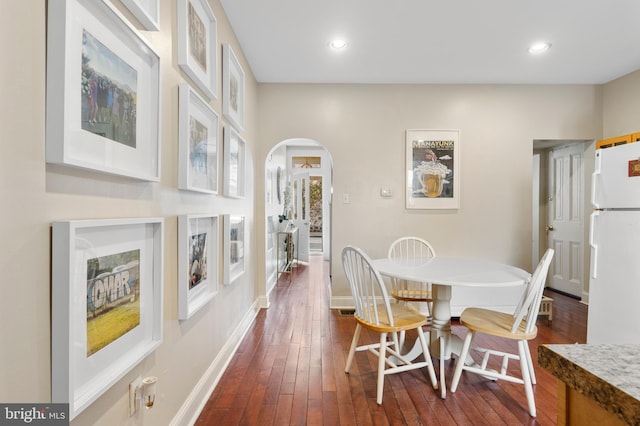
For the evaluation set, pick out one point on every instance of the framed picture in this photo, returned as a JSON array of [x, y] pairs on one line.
[[197, 44], [432, 169], [103, 97], [145, 11], [234, 163], [198, 262], [106, 308], [233, 246], [232, 88], [198, 136]]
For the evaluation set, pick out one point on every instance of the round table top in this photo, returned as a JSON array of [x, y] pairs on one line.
[[453, 271]]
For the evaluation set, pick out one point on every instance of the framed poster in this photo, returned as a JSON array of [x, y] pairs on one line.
[[198, 142], [197, 44], [234, 152], [103, 97], [146, 11], [197, 262], [106, 304], [232, 88], [233, 247], [432, 169]]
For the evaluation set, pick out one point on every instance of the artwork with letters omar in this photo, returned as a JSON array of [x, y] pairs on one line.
[[113, 298]]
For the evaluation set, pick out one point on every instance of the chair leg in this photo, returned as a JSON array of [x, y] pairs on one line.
[[524, 366], [443, 386], [530, 362], [381, 362], [354, 345], [427, 358], [460, 362], [396, 342], [401, 341]]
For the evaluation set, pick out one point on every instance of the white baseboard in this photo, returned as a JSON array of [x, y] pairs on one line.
[[585, 297], [263, 302], [341, 302], [197, 399]]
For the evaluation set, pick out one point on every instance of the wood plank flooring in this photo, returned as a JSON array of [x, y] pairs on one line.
[[289, 370]]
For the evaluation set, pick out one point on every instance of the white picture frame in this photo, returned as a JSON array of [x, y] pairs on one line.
[[197, 44], [432, 169], [145, 11], [103, 92], [198, 143], [107, 304], [233, 247], [232, 88], [198, 243], [234, 167]]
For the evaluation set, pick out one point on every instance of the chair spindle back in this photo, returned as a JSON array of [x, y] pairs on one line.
[[367, 286]]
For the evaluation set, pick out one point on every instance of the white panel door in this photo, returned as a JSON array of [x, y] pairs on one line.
[[566, 218], [300, 180]]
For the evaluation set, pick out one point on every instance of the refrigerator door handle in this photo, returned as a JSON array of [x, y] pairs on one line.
[[592, 243], [594, 179]]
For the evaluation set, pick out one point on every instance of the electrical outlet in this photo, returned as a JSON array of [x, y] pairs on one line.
[[134, 395]]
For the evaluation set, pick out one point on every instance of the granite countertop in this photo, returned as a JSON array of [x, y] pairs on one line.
[[607, 374]]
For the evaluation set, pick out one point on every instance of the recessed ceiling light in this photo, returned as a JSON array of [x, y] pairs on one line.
[[338, 44], [539, 47]]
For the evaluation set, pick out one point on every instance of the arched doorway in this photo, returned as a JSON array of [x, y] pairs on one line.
[[285, 161]]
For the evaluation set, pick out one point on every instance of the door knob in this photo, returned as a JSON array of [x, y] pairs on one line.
[[549, 228]]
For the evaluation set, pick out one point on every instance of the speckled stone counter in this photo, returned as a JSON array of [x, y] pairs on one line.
[[609, 375]]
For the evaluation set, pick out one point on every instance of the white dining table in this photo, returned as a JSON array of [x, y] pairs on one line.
[[444, 273]]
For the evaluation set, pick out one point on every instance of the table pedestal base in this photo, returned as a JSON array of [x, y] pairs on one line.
[[441, 328]]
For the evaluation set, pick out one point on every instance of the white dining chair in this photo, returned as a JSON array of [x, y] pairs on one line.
[[411, 249], [519, 326], [375, 313], [415, 249]]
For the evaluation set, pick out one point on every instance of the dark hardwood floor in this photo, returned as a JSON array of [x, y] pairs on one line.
[[289, 370]]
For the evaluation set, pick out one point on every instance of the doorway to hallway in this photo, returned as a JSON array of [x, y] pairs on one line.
[[561, 206], [302, 168]]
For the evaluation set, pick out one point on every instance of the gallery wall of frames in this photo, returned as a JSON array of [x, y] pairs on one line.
[[103, 115]]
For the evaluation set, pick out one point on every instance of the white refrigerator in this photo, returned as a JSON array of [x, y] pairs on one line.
[[614, 283]]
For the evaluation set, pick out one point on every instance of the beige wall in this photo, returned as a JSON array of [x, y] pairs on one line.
[[621, 106], [363, 127], [35, 194]]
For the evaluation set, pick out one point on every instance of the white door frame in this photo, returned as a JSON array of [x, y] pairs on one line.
[[279, 157], [542, 147], [535, 203]]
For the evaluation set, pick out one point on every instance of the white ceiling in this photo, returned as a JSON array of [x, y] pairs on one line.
[[443, 41]]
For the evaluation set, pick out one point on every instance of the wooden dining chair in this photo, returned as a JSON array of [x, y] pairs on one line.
[[521, 327], [375, 313]]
